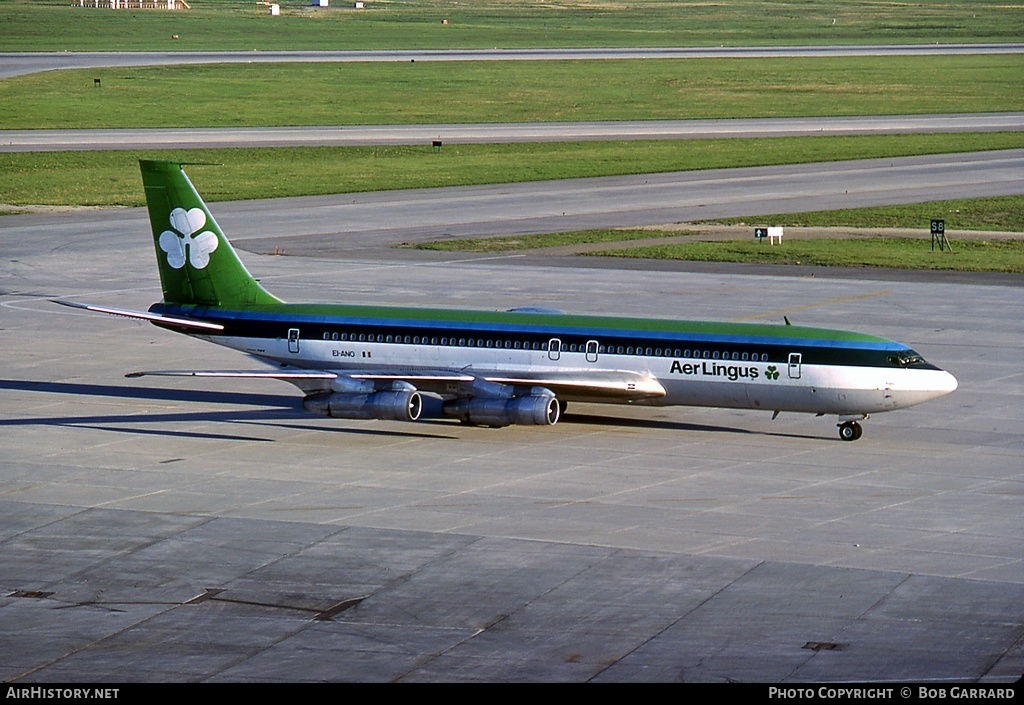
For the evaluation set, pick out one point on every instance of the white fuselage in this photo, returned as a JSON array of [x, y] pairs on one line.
[[686, 381]]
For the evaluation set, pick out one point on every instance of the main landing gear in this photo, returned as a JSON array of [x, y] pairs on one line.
[[850, 431], [849, 428]]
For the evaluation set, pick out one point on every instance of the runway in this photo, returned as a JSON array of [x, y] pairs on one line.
[[361, 135], [21, 63], [171, 530]]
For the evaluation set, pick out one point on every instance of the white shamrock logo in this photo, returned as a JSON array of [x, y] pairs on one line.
[[185, 223]]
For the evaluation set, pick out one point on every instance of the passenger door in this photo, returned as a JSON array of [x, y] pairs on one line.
[[795, 364], [554, 349]]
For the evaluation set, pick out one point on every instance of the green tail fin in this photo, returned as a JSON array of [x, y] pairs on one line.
[[197, 264]]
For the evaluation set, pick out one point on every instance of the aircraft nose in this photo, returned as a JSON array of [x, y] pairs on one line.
[[939, 384], [925, 386], [947, 383]]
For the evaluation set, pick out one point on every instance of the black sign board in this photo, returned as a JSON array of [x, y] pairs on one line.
[[939, 236]]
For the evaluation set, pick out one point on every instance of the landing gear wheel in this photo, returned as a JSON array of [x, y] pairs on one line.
[[850, 431]]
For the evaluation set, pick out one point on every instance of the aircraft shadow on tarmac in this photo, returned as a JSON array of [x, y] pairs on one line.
[[277, 408], [573, 417], [151, 393]]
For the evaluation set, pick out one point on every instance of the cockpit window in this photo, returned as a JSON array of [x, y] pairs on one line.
[[906, 358]]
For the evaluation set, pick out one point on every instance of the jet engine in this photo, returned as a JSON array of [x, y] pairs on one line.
[[539, 408], [402, 404]]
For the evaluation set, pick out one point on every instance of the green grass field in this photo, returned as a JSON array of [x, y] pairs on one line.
[[524, 91], [56, 25], [112, 178], [434, 92], [900, 253]]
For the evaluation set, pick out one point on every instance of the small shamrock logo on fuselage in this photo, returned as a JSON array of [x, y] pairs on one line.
[[772, 372], [182, 244]]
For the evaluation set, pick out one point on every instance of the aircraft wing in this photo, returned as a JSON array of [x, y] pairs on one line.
[[312, 381], [308, 381], [606, 386], [598, 386]]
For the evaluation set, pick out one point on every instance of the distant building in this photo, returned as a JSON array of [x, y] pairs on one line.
[[137, 4]]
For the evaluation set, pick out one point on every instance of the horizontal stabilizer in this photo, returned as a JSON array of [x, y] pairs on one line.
[[185, 323]]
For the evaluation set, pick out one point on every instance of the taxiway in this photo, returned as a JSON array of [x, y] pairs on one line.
[[21, 63], [172, 530]]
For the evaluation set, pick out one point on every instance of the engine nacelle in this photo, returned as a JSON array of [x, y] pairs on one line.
[[400, 405], [532, 409]]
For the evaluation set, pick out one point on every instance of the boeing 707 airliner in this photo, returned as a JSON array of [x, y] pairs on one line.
[[499, 368]]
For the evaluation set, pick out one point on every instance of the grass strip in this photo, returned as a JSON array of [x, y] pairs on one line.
[[57, 25], [531, 242], [110, 178], [900, 253], [518, 91], [997, 213]]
